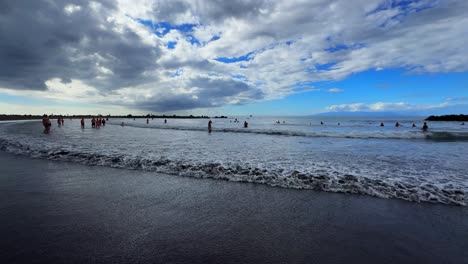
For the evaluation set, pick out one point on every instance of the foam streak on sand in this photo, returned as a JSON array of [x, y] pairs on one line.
[[323, 179]]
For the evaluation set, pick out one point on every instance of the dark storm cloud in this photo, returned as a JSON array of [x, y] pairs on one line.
[[210, 10], [40, 41], [207, 93], [220, 10]]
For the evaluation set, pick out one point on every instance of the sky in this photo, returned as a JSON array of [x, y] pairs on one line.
[[237, 57]]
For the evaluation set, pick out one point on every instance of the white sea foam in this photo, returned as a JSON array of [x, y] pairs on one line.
[[323, 177]]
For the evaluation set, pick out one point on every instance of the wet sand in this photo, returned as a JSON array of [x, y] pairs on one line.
[[59, 212]]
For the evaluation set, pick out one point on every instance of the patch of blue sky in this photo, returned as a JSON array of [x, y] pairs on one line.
[[323, 67], [405, 8], [171, 44], [339, 47], [390, 85], [162, 28], [214, 38], [246, 57], [177, 73], [398, 85], [239, 77]]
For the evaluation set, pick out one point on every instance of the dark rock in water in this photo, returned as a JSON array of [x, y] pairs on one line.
[[448, 118]]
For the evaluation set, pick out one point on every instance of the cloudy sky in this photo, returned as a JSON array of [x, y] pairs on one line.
[[263, 57]]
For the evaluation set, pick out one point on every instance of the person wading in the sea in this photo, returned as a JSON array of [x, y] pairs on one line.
[[46, 123]]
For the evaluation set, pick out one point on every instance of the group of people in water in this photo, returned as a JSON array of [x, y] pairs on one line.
[[95, 122], [425, 127], [48, 124], [99, 121], [246, 125]]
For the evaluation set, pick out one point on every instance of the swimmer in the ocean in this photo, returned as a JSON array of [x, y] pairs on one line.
[[397, 124], [122, 124], [414, 125], [425, 127], [165, 121], [321, 122], [246, 125], [381, 124]]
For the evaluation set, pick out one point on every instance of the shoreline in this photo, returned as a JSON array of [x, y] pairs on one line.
[[65, 212]]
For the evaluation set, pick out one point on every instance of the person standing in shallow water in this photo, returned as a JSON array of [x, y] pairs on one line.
[[147, 121], [46, 123], [209, 126], [82, 122], [246, 125], [425, 127]]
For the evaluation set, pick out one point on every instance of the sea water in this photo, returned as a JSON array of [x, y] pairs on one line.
[[345, 154]]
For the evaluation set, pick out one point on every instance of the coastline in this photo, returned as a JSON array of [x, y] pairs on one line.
[[64, 212]]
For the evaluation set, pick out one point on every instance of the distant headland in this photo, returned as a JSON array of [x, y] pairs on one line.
[[448, 118], [31, 117]]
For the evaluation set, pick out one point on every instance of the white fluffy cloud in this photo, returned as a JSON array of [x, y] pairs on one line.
[[400, 107], [103, 53]]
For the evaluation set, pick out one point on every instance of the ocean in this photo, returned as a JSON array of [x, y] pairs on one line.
[[345, 154]]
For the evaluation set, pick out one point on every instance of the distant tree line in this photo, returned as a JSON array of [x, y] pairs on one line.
[[448, 118], [4, 117]]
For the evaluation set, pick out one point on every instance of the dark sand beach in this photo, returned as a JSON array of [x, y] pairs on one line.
[[59, 212]]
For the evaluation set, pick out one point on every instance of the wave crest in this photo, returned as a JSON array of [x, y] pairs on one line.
[[323, 180]]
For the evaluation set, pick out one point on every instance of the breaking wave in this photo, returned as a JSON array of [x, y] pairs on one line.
[[318, 179]]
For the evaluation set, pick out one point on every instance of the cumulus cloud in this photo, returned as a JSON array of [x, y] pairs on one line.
[[398, 107], [185, 54], [362, 107]]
